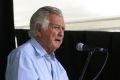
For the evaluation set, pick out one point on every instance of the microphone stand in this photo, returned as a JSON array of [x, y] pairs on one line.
[[86, 64]]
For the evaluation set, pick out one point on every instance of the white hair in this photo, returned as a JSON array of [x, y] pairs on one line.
[[40, 16]]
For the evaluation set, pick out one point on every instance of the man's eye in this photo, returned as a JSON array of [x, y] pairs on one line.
[[56, 27]]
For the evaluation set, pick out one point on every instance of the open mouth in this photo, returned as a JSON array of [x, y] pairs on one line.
[[58, 40]]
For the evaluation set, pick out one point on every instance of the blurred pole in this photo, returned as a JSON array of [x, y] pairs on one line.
[[7, 42]]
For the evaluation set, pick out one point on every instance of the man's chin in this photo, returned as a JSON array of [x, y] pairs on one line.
[[57, 46]]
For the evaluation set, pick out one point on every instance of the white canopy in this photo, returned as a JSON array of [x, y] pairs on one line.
[[73, 10]]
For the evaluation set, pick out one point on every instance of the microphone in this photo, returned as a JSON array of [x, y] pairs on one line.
[[82, 47]]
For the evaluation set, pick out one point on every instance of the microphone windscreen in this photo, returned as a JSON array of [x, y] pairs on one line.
[[79, 46]]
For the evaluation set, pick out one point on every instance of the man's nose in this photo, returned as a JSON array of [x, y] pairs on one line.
[[61, 32]]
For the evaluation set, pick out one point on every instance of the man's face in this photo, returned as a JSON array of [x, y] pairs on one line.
[[53, 36]]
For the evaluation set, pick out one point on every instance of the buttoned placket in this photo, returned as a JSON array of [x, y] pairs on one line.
[[51, 66]]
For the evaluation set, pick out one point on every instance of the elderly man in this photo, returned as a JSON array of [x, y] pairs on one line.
[[35, 59]]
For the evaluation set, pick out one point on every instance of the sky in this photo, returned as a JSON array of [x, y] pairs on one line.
[[73, 10]]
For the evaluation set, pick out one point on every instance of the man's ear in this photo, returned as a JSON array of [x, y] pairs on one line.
[[38, 29]]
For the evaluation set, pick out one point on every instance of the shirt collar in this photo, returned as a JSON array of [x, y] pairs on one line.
[[39, 49]]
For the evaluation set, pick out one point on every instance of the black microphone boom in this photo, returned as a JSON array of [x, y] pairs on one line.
[[82, 47]]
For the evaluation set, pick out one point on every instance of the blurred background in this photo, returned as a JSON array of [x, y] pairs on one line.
[[92, 15]]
